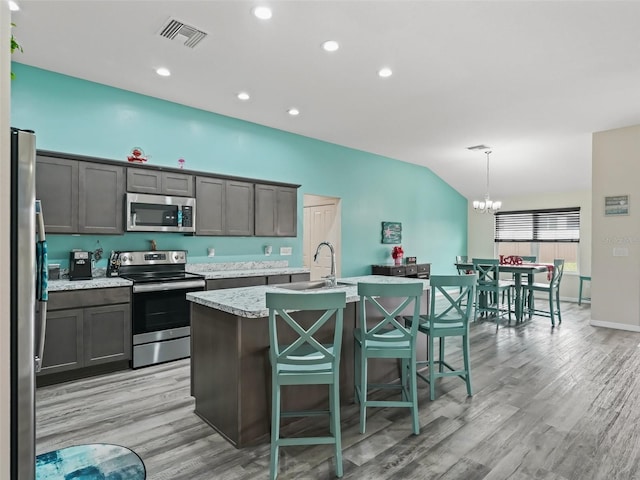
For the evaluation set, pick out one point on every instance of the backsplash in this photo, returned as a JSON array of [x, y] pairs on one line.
[[227, 249]]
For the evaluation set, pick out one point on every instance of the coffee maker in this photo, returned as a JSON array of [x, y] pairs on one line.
[[80, 265]]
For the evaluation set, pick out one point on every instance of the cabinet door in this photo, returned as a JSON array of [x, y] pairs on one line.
[[222, 283], [265, 209], [276, 279], [63, 341], [107, 334], [238, 216], [300, 277], [140, 180], [210, 205], [287, 212], [101, 194], [57, 188], [178, 184]]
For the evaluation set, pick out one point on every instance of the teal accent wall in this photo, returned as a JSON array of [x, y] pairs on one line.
[[76, 116]]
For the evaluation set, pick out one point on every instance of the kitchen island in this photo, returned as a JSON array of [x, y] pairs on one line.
[[230, 369]]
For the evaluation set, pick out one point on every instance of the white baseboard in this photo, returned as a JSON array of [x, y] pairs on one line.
[[615, 326]]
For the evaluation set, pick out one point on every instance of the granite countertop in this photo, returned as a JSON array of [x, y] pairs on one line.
[[249, 302], [257, 272], [207, 270], [97, 282]]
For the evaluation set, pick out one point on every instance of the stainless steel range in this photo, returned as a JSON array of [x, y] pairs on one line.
[[160, 311]]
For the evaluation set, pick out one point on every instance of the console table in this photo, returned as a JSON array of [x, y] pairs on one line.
[[420, 270]]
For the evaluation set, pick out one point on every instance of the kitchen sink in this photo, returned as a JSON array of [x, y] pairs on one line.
[[310, 285]]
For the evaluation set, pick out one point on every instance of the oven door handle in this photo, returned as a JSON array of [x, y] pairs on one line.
[[163, 286]]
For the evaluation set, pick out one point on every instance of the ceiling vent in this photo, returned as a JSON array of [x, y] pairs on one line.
[[478, 147], [176, 30]]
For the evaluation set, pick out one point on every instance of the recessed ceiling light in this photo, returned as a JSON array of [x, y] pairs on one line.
[[163, 72], [385, 72], [243, 96], [13, 6], [293, 112], [263, 13], [331, 45]]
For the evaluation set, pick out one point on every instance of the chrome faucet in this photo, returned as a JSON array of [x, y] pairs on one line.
[[332, 276]]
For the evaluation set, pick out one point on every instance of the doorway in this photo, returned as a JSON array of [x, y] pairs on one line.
[[321, 223]]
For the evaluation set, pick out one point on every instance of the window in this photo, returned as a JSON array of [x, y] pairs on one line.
[[545, 234]]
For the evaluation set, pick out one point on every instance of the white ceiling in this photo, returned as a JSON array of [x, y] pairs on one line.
[[532, 80]]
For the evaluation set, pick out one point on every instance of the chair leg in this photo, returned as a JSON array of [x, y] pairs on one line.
[[467, 366], [551, 314], [363, 391], [334, 406], [441, 354], [432, 373], [580, 293], [558, 304], [413, 383], [275, 427], [404, 378], [356, 371]]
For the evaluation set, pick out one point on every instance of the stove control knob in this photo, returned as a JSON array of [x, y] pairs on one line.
[[124, 258]]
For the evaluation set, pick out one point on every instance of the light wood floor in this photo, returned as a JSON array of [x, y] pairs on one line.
[[548, 404]]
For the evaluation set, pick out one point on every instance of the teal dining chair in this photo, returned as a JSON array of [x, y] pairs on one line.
[[449, 314], [387, 337], [490, 289], [552, 289], [305, 361]]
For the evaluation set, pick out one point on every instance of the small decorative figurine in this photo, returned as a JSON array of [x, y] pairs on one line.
[[137, 155]]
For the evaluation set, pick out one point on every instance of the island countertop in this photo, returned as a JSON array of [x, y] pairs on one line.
[[250, 302]]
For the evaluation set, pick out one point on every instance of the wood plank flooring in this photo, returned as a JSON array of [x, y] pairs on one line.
[[548, 404]]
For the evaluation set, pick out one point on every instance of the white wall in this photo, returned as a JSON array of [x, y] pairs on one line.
[[481, 230], [616, 279], [5, 68]]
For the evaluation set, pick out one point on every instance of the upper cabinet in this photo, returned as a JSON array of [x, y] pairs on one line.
[[80, 197], [276, 211], [224, 207], [142, 180]]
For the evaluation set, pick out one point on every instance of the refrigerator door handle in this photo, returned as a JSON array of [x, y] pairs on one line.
[[40, 336]]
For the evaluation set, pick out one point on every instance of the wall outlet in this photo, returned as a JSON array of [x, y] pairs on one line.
[[211, 252], [286, 250], [620, 252]]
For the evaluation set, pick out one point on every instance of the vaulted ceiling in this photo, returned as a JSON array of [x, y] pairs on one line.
[[530, 79]]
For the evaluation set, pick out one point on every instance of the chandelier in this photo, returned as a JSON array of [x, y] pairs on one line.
[[487, 205]]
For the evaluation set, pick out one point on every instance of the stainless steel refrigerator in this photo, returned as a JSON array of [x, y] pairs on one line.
[[28, 289]]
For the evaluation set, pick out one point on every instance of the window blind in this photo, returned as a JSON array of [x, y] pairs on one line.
[[551, 225]]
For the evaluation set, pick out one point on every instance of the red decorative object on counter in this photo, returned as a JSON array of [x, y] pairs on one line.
[[137, 155], [397, 254]]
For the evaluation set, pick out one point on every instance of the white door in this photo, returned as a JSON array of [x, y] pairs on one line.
[[321, 223]]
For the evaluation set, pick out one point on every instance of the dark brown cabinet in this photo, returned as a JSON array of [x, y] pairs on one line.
[[420, 270], [276, 211], [86, 328], [141, 180], [106, 334], [238, 213], [80, 197], [221, 283], [210, 204], [101, 197], [224, 207]]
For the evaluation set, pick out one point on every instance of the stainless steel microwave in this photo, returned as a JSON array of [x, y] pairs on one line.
[[160, 213]]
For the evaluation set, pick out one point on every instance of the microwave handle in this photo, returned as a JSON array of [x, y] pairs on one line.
[[133, 219]]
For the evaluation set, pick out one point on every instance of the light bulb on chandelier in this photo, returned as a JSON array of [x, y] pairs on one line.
[[487, 205]]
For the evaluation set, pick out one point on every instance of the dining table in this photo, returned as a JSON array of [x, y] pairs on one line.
[[518, 271]]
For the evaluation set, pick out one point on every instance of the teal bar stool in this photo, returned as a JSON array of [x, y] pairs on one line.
[[552, 289], [387, 338], [449, 314], [583, 278], [305, 361], [490, 289]]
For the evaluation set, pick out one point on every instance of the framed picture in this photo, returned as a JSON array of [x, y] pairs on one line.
[[616, 205], [391, 232]]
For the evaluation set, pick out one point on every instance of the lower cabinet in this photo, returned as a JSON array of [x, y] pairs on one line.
[[86, 335], [221, 283]]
